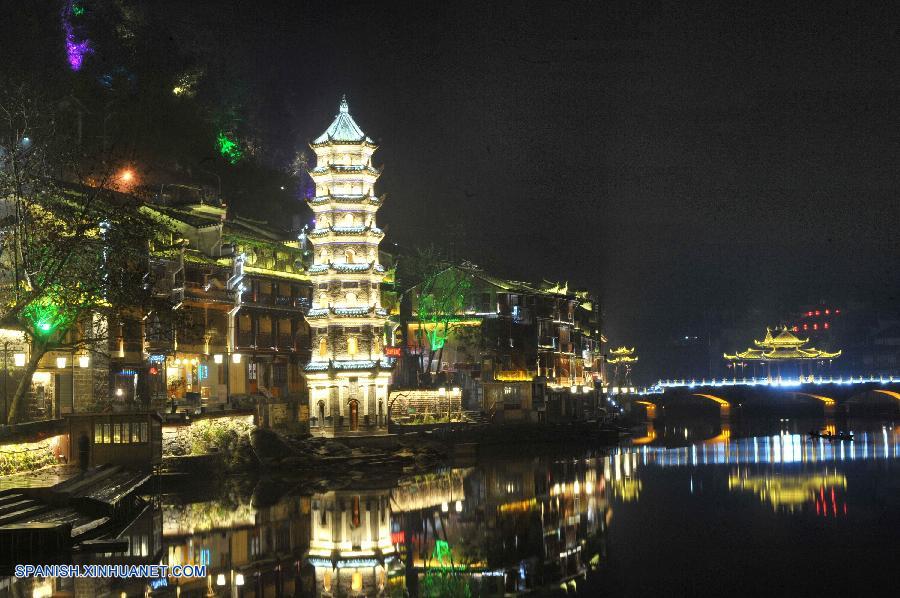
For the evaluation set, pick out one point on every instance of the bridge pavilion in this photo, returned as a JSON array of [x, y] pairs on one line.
[[784, 352]]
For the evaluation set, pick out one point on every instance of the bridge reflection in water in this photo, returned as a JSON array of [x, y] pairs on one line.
[[496, 528]]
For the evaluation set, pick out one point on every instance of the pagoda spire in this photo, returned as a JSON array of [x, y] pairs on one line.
[[344, 107]]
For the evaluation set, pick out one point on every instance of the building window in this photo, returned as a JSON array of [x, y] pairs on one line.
[[349, 256], [126, 433], [136, 432], [107, 433], [323, 347], [351, 298], [352, 345], [98, 433], [279, 373], [252, 369]]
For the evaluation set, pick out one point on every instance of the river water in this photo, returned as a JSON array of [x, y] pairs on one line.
[[753, 509]]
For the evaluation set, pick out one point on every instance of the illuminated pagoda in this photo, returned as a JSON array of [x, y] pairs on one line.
[[622, 360], [786, 352], [347, 374]]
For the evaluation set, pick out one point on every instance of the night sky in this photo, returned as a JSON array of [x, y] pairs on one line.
[[678, 159]]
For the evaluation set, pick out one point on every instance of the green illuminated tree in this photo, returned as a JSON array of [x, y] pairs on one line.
[[437, 293]]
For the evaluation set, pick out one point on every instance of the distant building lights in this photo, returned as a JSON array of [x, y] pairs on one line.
[[827, 326], [119, 392], [818, 313], [236, 358], [61, 362], [19, 360], [806, 327], [815, 326], [84, 361], [217, 358], [827, 312]]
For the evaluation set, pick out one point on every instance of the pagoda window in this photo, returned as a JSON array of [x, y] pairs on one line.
[[352, 345], [323, 256], [323, 347], [348, 219], [351, 284], [349, 256], [350, 298]]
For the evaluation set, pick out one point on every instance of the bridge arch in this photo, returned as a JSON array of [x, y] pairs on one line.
[[724, 406]]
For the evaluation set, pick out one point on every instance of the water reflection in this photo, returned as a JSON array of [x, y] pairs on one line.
[[511, 526]]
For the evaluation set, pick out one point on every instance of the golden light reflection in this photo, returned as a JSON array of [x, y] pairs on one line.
[[785, 490]]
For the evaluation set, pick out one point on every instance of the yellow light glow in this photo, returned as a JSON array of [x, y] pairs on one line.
[[889, 393], [19, 360], [217, 358], [84, 361], [61, 362], [236, 358]]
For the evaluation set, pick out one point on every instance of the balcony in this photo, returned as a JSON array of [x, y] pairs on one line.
[[286, 342], [196, 290]]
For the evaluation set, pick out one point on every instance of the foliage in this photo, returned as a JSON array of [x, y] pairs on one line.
[[25, 459], [438, 294]]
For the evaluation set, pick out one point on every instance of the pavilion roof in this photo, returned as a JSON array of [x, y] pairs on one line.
[[781, 346], [344, 129]]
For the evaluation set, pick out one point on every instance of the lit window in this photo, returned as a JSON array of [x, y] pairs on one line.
[[837, 311], [827, 312], [815, 326], [145, 429], [806, 327], [126, 433], [136, 432], [356, 581], [323, 347], [117, 433], [826, 326], [818, 313], [796, 328], [98, 433], [352, 345], [107, 433], [809, 313]]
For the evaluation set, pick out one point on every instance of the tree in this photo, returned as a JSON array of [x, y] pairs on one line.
[[73, 248], [436, 292]]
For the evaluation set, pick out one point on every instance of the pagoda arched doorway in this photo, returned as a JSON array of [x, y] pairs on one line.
[[321, 414], [354, 415]]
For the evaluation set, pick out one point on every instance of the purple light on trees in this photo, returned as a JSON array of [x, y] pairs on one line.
[[75, 50]]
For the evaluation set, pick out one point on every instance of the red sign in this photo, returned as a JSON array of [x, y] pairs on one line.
[[392, 351]]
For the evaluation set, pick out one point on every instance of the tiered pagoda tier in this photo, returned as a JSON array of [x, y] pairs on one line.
[[348, 374], [781, 346]]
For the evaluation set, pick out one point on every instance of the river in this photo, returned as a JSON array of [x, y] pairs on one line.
[[704, 509]]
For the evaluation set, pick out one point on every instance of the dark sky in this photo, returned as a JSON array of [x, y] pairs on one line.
[[678, 158]]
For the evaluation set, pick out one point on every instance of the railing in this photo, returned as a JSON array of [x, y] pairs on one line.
[[661, 385]]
